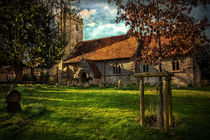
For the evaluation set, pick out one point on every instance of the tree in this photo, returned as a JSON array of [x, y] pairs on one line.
[[29, 35], [169, 19]]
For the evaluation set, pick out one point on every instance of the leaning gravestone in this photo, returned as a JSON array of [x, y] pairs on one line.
[[13, 98], [120, 84]]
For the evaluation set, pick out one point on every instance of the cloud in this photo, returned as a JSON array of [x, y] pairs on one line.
[[91, 24], [99, 19], [86, 13], [106, 7], [101, 23], [110, 10], [104, 30]]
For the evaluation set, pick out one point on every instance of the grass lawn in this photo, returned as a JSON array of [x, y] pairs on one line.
[[70, 113]]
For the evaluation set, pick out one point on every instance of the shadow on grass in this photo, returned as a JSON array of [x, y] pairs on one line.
[[193, 112]]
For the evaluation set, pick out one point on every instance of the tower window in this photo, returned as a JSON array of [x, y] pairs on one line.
[[77, 27], [175, 65]]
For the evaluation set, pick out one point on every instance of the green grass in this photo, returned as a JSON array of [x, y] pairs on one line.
[[71, 113]]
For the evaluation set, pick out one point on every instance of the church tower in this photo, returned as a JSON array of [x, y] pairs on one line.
[[72, 26]]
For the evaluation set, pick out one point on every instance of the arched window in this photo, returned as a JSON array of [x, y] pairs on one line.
[[83, 77], [116, 68]]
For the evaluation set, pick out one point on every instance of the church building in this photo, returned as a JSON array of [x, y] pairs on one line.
[[113, 59]]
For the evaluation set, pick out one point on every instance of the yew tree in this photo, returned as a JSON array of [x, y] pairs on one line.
[[164, 19], [29, 35]]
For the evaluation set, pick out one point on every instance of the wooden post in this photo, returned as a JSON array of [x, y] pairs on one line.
[[141, 87], [167, 98], [165, 102], [170, 109]]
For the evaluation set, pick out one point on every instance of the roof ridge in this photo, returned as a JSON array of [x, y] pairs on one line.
[[102, 38]]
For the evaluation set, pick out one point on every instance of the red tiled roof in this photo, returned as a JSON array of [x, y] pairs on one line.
[[95, 70], [92, 45], [105, 49], [123, 47]]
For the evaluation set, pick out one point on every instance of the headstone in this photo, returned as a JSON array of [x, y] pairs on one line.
[[13, 98], [74, 82], [39, 86], [79, 84], [57, 85], [86, 84], [120, 84], [101, 84], [90, 82], [68, 83], [178, 84], [27, 85]]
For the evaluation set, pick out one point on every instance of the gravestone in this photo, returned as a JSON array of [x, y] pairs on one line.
[[120, 84], [13, 98], [68, 83], [90, 82], [101, 84], [79, 84], [39, 86], [57, 85], [86, 84]]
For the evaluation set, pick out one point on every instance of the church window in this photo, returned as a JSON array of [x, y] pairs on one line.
[[119, 69], [77, 27], [116, 68], [175, 65], [145, 68]]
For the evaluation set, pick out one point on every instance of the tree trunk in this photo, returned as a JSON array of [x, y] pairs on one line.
[[19, 73], [160, 115], [170, 104], [165, 102], [141, 87]]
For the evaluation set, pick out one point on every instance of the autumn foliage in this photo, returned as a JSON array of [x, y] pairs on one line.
[[169, 22]]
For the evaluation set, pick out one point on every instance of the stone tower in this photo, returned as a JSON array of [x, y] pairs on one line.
[[72, 26]]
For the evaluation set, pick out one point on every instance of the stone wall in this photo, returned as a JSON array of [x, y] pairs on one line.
[[148, 80], [188, 74], [126, 75]]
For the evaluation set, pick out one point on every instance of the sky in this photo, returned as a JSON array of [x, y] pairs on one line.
[[99, 19]]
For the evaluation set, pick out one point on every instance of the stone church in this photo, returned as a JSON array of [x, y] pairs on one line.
[[113, 59], [107, 61]]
